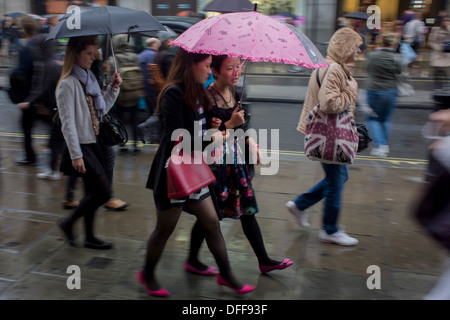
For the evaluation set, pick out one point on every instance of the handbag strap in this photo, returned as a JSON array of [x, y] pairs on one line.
[[318, 76]]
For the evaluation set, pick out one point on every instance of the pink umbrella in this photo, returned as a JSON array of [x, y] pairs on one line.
[[251, 36]]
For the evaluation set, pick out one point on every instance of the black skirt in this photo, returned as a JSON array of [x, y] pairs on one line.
[[93, 157]]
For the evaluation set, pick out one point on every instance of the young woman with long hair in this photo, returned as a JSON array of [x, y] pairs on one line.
[[81, 106], [181, 104]]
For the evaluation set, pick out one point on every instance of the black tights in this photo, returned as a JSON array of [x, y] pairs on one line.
[[97, 192], [251, 230], [208, 220]]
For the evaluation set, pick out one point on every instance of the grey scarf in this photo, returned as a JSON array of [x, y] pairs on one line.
[[87, 78]]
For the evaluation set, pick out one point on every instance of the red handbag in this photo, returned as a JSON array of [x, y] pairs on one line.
[[187, 174]]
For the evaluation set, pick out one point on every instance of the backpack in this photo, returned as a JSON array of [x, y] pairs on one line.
[[132, 88]]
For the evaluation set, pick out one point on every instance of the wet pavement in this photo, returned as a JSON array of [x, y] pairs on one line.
[[377, 209]]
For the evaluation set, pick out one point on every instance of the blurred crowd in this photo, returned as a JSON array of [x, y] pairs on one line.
[[35, 69]]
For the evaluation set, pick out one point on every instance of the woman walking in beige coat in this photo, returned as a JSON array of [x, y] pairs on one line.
[[339, 91], [439, 59]]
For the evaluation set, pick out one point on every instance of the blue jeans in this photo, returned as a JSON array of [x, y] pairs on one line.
[[383, 104], [330, 188]]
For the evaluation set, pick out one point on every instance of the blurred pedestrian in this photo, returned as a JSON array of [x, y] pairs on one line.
[[150, 129], [14, 36], [382, 66], [129, 68], [338, 92], [232, 192], [439, 41], [181, 104], [433, 209], [25, 66], [414, 32], [46, 73], [81, 106], [145, 57]]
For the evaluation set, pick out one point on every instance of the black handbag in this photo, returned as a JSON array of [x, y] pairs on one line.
[[364, 137], [112, 131], [446, 46]]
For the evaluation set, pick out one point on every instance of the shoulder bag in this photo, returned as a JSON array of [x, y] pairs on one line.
[[186, 174], [112, 131], [331, 138]]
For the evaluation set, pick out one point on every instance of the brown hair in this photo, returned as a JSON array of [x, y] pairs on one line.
[[180, 74], [28, 25]]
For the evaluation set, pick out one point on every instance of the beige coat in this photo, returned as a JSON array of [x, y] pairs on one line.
[[335, 94], [439, 58]]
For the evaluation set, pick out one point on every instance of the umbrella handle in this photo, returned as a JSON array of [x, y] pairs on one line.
[[243, 83], [112, 52]]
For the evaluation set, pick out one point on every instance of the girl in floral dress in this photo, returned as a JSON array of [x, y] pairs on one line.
[[232, 192]]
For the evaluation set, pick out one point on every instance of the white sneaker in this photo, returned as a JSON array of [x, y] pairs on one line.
[[381, 151], [300, 215], [375, 151], [340, 237], [384, 151], [49, 175]]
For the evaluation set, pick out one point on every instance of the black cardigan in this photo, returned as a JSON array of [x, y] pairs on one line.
[[175, 114]]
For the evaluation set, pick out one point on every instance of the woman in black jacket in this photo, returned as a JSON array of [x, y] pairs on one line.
[[181, 105]]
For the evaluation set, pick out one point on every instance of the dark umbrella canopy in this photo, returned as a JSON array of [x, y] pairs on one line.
[[228, 6], [163, 35], [287, 15], [106, 20], [15, 14], [357, 15]]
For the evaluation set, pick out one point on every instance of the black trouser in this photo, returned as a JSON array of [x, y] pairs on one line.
[[28, 117], [150, 101], [56, 145], [121, 110], [110, 157], [97, 192]]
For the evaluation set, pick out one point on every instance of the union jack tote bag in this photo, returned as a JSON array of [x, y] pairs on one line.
[[331, 138]]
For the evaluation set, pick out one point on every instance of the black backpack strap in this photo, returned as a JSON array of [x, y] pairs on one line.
[[318, 77]]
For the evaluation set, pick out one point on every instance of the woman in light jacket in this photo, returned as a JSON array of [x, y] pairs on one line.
[[338, 92], [81, 107], [439, 60]]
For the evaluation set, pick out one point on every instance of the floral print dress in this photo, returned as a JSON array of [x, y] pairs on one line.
[[232, 192]]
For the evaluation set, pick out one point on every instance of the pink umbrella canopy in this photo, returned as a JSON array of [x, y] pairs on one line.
[[251, 36]]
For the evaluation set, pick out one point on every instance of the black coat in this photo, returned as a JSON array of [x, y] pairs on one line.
[[175, 114]]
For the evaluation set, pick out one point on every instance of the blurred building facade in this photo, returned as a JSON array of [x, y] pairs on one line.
[[318, 17]]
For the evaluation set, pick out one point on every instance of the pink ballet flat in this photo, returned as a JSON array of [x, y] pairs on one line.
[[210, 271], [286, 263], [245, 289], [161, 292]]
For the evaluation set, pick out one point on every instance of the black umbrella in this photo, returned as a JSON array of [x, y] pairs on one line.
[[357, 15], [15, 14], [227, 6], [106, 20]]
